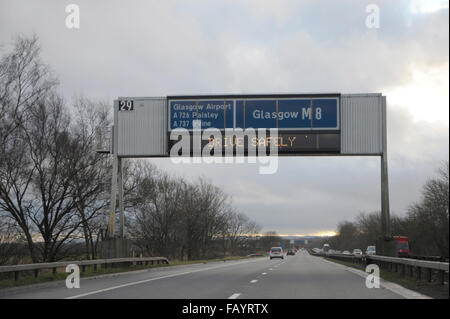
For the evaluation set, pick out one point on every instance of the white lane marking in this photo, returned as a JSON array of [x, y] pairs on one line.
[[234, 296], [152, 279], [270, 268], [253, 281], [264, 273]]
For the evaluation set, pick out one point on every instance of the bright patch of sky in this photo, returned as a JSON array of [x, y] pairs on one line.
[[427, 6]]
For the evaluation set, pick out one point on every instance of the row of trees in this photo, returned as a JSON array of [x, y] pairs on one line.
[[55, 190], [426, 222], [172, 217]]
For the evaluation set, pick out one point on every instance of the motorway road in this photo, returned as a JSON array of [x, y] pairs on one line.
[[299, 276]]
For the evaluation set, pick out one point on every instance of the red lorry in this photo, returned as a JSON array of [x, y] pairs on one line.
[[402, 246]]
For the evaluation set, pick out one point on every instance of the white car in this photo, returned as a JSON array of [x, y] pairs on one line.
[[371, 250], [346, 252], [276, 252], [357, 252]]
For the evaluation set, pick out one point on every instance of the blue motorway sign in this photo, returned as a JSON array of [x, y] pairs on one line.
[[303, 113], [212, 113]]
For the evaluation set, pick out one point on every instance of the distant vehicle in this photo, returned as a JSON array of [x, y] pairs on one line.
[[291, 253], [357, 252], [326, 248], [346, 252], [402, 246], [371, 250], [316, 250], [276, 252]]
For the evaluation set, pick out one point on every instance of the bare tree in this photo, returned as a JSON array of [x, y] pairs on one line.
[[24, 80], [12, 248], [57, 160], [239, 229], [91, 187], [36, 180], [212, 204], [347, 237], [428, 219]]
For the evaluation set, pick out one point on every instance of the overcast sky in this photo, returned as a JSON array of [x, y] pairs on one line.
[[159, 48]]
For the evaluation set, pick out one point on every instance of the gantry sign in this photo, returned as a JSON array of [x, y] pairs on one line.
[[295, 124], [305, 124]]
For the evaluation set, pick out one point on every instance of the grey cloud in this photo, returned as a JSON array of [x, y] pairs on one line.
[[150, 48]]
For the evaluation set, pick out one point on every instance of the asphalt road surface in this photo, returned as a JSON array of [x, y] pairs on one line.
[[295, 277]]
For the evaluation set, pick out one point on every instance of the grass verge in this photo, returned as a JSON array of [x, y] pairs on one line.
[[433, 289], [29, 279]]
